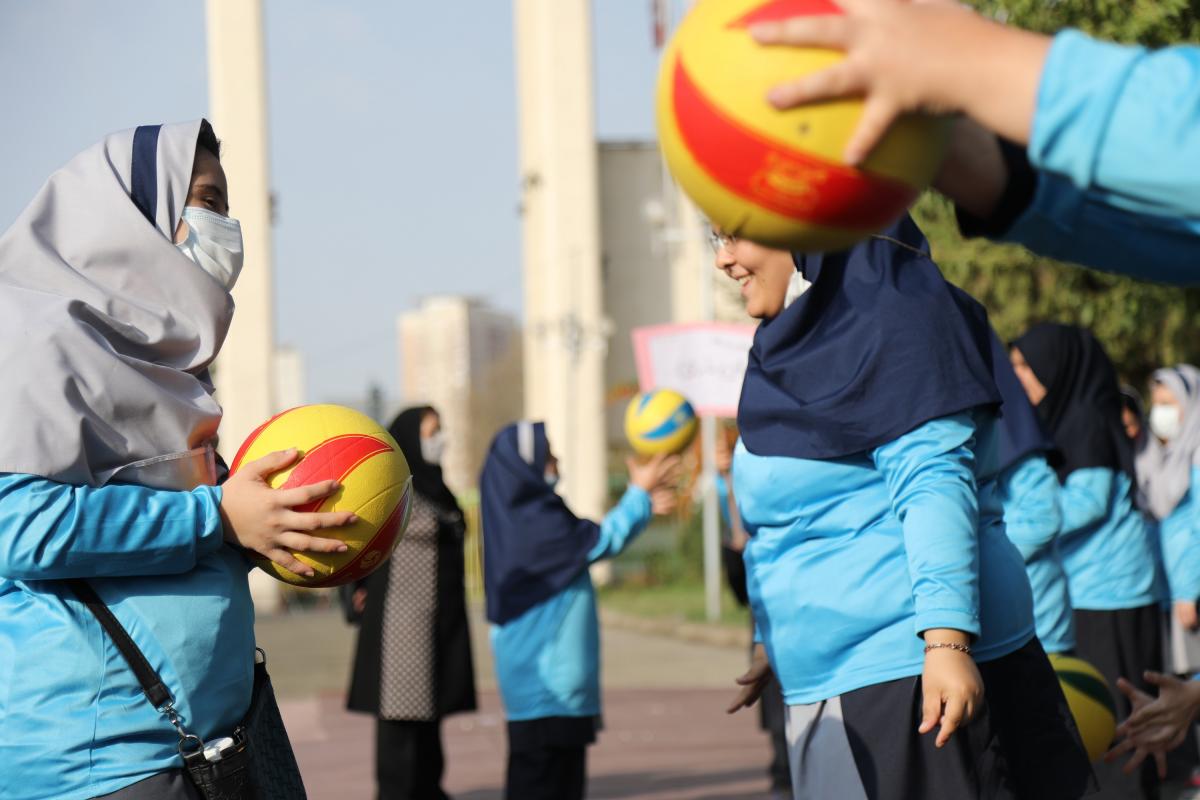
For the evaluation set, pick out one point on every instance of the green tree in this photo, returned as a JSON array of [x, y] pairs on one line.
[[1143, 325]]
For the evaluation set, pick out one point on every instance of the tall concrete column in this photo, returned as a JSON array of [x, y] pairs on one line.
[[566, 333], [238, 111]]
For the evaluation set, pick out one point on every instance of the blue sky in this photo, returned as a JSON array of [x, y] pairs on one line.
[[393, 142]]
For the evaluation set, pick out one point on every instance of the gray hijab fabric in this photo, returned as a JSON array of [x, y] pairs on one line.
[[1164, 471], [106, 328]]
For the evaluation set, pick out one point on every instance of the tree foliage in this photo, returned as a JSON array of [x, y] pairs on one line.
[[1143, 325]]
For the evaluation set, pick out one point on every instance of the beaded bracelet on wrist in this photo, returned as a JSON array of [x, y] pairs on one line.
[[962, 648]]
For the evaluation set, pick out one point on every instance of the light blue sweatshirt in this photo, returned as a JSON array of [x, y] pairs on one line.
[[548, 659], [1029, 491], [850, 559], [74, 723], [1107, 546], [1116, 136], [1179, 537]]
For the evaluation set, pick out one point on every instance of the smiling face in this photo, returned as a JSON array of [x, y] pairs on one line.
[[763, 273]]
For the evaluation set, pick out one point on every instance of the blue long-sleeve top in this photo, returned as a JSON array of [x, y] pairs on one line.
[[1107, 546], [1029, 491], [1116, 138], [548, 659], [1179, 537], [74, 723], [850, 559]]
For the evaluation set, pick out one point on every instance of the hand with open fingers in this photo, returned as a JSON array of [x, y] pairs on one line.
[[657, 472], [261, 519], [753, 683], [1156, 725], [952, 690], [664, 501], [904, 57]]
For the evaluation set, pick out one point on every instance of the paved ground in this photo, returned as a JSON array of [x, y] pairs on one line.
[[666, 735]]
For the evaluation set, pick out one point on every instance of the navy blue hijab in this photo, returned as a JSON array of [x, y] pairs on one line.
[[877, 346], [533, 546], [1019, 432]]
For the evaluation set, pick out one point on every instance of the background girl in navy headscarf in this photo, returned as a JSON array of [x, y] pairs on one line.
[[1107, 546], [542, 606], [1028, 488], [885, 593]]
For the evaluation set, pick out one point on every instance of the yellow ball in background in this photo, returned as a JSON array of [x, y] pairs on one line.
[[661, 421], [777, 177], [338, 443], [1091, 701]]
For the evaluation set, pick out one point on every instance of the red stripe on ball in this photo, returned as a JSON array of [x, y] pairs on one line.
[[335, 459], [789, 182], [779, 10]]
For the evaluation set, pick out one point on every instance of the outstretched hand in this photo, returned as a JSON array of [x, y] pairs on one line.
[[261, 519], [656, 473], [1156, 725]]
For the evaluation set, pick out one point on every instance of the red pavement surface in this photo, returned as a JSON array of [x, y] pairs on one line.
[[675, 744]]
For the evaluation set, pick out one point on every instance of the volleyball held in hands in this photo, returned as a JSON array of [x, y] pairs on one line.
[[777, 177], [661, 421], [338, 443]]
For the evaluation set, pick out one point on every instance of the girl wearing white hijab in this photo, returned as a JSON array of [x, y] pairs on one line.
[[114, 301], [1167, 469]]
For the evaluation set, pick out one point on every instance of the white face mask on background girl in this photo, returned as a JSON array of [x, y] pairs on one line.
[[1165, 421], [433, 447], [214, 242]]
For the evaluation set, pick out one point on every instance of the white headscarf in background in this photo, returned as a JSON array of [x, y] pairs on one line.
[[106, 328], [1164, 471]]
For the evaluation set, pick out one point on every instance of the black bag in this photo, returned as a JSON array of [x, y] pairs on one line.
[[255, 763]]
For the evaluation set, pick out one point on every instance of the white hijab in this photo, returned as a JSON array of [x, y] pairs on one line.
[[106, 328], [1164, 471]]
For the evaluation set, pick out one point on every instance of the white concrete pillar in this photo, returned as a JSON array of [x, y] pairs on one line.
[[566, 333], [238, 112]]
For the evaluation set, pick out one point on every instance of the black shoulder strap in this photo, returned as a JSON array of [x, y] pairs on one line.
[[156, 691]]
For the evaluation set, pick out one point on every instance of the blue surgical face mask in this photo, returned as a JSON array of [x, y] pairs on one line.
[[214, 242]]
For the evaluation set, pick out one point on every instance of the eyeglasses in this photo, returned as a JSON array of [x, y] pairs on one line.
[[720, 241]]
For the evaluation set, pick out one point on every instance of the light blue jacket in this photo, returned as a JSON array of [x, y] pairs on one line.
[[1179, 537], [74, 723], [1029, 491], [548, 659], [850, 559], [1116, 136], [1108, 548]]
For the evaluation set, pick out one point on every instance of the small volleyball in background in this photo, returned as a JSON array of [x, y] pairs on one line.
[[1091, 702], [778, 177], [661, 421], [341, 444]]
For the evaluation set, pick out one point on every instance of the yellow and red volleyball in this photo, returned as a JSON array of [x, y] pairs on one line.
[[778, 177], [661, 421], [1091, 702], [341, 444]]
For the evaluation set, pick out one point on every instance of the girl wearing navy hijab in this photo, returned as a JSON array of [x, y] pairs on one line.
[[1108, 548], [542, 606], [1028, 489], [887, 598]]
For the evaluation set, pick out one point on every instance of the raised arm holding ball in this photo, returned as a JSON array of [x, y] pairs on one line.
[[542, 606], [1106, 136]]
